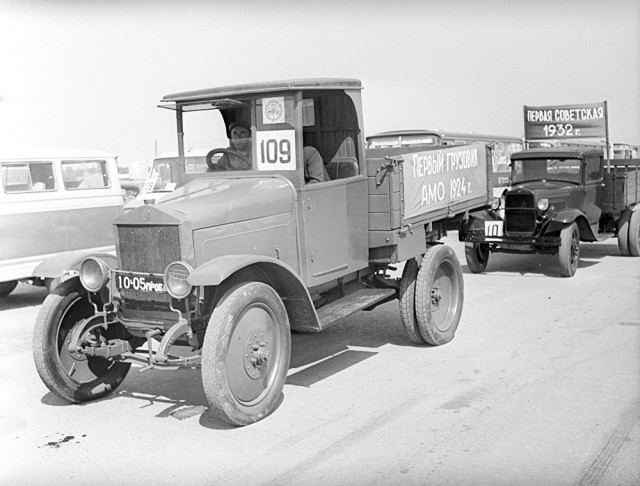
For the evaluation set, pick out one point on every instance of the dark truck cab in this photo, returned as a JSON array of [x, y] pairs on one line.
[[220, 271], [558, 198]]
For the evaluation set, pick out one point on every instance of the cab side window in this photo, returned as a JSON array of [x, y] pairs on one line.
[[330, 125], [85, 174], [592, 169], [28, 177]]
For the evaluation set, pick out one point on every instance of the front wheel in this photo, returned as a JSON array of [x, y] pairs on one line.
[[245, 354], [634, 233], [569, 251], [477, 256], [439, 295], [74, 377]]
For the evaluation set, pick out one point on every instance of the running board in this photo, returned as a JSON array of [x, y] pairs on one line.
[[352, 303]]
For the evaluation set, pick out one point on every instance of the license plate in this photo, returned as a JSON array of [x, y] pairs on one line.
[[493, 229], [141, 283]]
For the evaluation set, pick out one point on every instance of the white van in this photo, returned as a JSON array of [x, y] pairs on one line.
[[53, 201]]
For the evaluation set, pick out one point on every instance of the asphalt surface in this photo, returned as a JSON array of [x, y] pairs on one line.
[[541, 385]]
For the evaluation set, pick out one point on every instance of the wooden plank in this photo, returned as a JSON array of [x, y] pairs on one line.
[[379, 203], [391, 183], [384, 221]]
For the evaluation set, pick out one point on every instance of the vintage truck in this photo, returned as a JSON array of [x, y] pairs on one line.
[[559, 196], [220, 271]]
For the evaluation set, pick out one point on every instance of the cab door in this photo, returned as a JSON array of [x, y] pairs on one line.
[[593, 191], [335, 226]]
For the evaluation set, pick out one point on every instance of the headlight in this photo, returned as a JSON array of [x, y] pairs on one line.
[[543, 204], [175, 280], [94, 274], [495, 203]]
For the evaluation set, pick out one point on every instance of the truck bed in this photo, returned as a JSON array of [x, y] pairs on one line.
[[622, 185]]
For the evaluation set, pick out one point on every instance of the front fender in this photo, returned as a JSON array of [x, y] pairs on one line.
[[291, 289], [473, 228], [567, 216], [67, 264], [217, 270]]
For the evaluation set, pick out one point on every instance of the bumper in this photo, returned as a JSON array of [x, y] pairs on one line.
[[474, 230]]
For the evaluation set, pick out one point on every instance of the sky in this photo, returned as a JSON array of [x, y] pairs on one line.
[[91, 73]]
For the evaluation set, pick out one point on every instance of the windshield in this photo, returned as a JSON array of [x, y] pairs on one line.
[[160, 178], [566, 170], [163, 179], [410, 140], [403, 141]]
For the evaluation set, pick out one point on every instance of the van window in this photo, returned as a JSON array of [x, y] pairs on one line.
[[85, 174], [28, 177]]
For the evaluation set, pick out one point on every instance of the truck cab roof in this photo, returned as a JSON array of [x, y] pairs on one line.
[[187, 97]]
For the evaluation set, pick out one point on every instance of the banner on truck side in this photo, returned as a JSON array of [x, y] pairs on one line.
[[566, 121], [434, 179]]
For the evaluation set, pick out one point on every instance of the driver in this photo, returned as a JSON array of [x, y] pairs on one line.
[[239, 142]]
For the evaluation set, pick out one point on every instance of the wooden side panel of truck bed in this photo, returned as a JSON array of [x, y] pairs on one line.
[[411, 187], [621, 185]]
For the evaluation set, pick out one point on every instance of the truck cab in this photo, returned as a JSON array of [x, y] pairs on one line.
[[557, 198]]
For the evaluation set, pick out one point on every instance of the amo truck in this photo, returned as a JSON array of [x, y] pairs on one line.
[[220, 271]]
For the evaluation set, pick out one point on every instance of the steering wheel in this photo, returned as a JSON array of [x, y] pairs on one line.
[[209, 157]]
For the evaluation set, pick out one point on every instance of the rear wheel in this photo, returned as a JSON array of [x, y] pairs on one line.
[[569, 251], [439, 295], [7, 287], [75, 377], [407, 301], [245, 355], [477, 255], [623, 232], [634, 233]]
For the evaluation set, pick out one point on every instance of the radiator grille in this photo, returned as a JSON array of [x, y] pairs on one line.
[[520, 214], [148, 249]]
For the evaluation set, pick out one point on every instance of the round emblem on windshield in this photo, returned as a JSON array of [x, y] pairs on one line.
[[146, 215], [273, 110]]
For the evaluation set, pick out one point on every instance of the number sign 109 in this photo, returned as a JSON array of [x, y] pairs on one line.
[[276, 150]]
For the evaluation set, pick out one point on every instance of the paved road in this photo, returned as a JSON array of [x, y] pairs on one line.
[[541, 385]]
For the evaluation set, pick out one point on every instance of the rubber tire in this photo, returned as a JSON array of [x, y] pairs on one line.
[[623, 232], [634, 233], [407, 301], [224, 376], [569, 251], [61, 310], [440, 275], [477, 256], [7, 287]]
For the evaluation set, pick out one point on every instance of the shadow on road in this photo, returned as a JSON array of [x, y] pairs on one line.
[[23, 296], [547, 265], [179, 394]]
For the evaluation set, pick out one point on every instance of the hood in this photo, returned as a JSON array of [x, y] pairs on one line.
[[558, 193], [217, 201]]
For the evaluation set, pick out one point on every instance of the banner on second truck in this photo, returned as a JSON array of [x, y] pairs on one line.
[[565, 122]]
